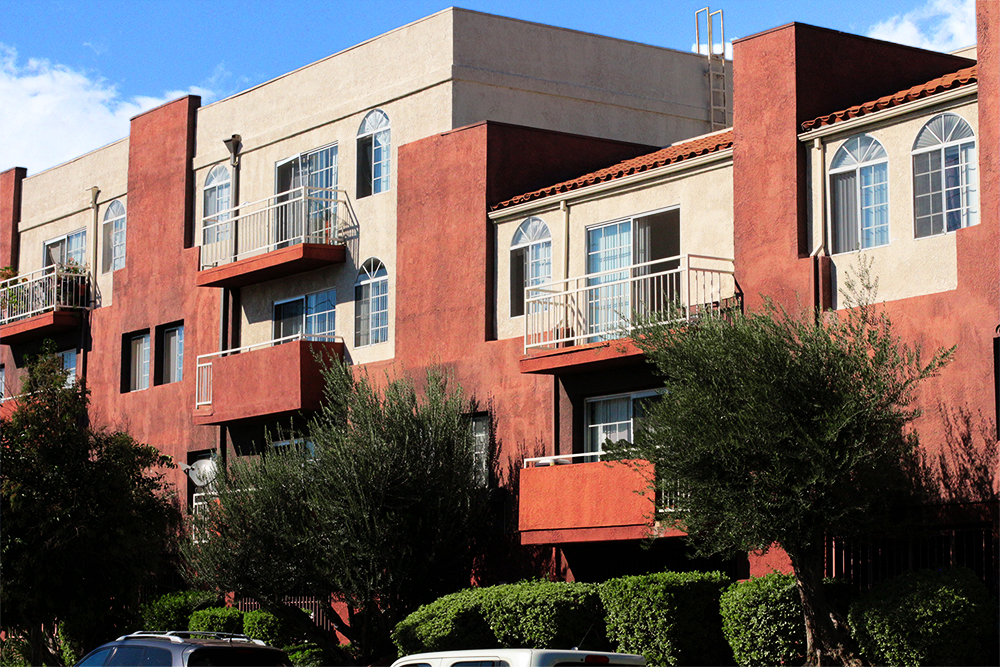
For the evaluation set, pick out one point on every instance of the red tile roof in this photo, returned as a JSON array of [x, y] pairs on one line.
[[962, 77], [712, 143]]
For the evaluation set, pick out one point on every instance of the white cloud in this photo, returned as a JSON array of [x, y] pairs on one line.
[[52, 113], [703, 48], [939, 25]]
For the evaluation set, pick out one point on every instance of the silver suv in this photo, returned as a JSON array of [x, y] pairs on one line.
[[185, 649]]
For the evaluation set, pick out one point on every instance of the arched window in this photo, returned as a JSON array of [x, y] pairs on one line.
[[530, 261], [371, 304], [373, 154], [859, 193], [114, 237], [945, 184], [218, 201]]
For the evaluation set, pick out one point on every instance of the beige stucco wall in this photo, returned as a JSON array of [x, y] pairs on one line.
[[703, 195], [57, 201], [907, 266]]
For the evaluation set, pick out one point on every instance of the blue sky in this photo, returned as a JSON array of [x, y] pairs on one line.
[[73, 73]]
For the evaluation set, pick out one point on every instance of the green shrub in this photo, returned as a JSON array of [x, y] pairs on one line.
[[217, 619], [173, 610], [670, 617], [267, 627], [546, 614], [452, 622], [926, 618], [306, 655], [762, 620]]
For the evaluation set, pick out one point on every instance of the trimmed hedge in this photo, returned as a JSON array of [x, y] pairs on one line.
[[173, 610], [670, 617], [762, 620], [546, 614], [265, 626], [453, 622], [927, 618], [217, 619]]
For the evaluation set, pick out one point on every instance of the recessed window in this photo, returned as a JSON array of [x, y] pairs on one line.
[[481, 437], [172, 351], [859, 193], [312, 175], [68, 250], [68, 358], [373, 154], [313, 314], [945, 182], [613, 418], [530, 261], [135, 361], [217, 202], [371, 304], [114, 237]]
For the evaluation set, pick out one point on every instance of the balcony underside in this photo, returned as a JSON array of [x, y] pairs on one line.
[[289, 261], [38, 327], [581, 358], [267, 383]]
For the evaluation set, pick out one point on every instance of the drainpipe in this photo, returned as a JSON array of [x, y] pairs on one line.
[[564, 207], [85, 329], [233, 145], [821, 213]]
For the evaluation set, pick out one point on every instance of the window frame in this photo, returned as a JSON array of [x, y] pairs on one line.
[[307, 332], [374, 154], [173, 359], [68, 365], [522, 255], [218, 232], [861, 163], [64, 253], [114, 237], [597, 448], [968, 209], [372, 276], [135, 370]]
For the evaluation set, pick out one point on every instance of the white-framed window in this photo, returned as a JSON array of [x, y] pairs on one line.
[[613, 418], [371, 304], [314, 314], [138, 362], [217, 200], [945, 181], [114, 237], [69, 249], [480, 423], [68, 358], [530, 261], [859, 195], [315, 171], [373, 154], [173, 354]]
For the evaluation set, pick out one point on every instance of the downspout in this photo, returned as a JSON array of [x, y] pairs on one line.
[[820, 212], [564, 207], [233, 145], [85, 329], [556, 407]]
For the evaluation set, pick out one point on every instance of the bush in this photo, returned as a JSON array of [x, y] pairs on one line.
[[453, 622], [669, 617], [267, 627], [306, 655], [173, 610], [217, 619], [546, 614], [762, 620], [926, 618]]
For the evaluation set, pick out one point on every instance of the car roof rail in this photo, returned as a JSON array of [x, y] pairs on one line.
[[178, 636]]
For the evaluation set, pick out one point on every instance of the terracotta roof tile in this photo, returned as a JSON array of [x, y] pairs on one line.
[[951, 81], [686, 150]]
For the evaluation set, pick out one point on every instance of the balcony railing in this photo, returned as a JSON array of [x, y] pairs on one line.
[[602, 306], [301, 215], [203, 382], [56, 287]]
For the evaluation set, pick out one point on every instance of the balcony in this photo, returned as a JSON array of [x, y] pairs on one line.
[[569, 323], [273, 379], [292, 232], [43, 303]]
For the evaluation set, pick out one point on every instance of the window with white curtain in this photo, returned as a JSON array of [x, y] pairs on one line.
[[114, 237], [68, 250], [373, 154], [217, 202], [613, 418], [530, 261], [371, 304], [945, 182], [859, 194]]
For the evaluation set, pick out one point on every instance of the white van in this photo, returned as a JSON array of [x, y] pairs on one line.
[[519, 657]]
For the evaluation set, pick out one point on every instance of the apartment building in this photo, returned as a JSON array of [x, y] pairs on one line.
[[493, 202]]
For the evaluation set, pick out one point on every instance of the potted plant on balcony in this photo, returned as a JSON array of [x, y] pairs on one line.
[[6, 294], [71, 284]]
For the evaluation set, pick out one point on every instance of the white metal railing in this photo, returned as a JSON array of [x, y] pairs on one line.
[[56, 287], [601, 306], [203, 373], [300, 215]]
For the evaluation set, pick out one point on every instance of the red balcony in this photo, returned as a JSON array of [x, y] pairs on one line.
[[43, 303], [563, 502], [269, 380]]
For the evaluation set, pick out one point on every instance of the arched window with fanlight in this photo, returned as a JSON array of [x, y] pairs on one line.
[[371, 304], [373, 154], [114, 237], [217, 202], [945, 183], [530, 261], [859, 195]]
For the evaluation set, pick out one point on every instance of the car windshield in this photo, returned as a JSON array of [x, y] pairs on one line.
[[237, 656]]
